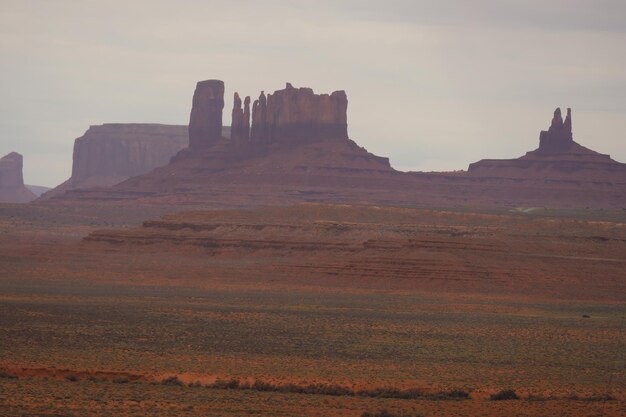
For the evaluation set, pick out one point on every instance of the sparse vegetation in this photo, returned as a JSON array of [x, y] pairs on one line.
[[7, 375], [605, 397], [72, 378], [172, 381], [505, 394], [121, 380], [385, 413]]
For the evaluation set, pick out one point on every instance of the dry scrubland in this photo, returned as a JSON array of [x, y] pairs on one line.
[[198, 319]]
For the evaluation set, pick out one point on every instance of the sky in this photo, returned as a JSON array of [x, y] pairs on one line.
[[431, 84]]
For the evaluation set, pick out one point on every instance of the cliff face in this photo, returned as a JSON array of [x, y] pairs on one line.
[[298, 114], [12, 189], [109, 153]]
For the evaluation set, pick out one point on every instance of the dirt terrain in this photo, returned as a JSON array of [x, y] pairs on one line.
[[311, 310]]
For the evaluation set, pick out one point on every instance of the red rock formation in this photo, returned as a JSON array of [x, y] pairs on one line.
[[109, 153], [236, 128], [240, 127], [205, 121], [558, 157], [299, 151], [258, 132], [558, 138], [246, 119], [299, 115], [12, 189]]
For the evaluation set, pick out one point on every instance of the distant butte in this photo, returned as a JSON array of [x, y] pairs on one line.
[[292, 146], [12, 189], [558, 157]]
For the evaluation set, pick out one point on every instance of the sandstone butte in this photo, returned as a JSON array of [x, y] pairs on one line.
[[292, 146], [12, 188]]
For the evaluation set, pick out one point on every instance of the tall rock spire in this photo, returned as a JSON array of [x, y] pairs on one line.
[[246, 119], [236, 126], [558, 138], [205, 121]]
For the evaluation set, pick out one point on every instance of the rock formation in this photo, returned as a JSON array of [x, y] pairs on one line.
[[240, 127], [246, 119], [12, 189], [558, 138], [109, 153], [205, 121], [299, 115], [558, 157], [298, 150]]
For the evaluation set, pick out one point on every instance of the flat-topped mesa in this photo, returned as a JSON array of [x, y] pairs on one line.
[[299, 115], [558, 138], [205, 121]]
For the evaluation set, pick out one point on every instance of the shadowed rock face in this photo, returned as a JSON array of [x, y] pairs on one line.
[[297, 114], [205, 121], [12, 189], [558, 138]]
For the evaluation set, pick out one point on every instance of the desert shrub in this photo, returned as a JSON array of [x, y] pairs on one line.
[[7, 375], [505, 394], [385, 413], [605, 397], [324, 389], [172, 381], [196, 384], [222, 384], [71, 378], [262, 386], [291, 389], [121, 380], [456, 394]]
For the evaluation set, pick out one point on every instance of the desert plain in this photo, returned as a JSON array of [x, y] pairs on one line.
[[311, 310]]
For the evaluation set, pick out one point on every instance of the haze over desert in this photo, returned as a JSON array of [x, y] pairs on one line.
[[251, 220]]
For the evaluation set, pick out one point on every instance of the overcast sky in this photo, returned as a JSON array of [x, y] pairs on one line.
[[433, 85]]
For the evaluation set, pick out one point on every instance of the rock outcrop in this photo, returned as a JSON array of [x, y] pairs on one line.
[[299, 115], [558, 138], [240, 126], [558, 157], [205, 121], [298, 150], [108, 154], [12, 189]]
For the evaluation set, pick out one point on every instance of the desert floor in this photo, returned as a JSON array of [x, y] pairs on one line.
[[139, 321]]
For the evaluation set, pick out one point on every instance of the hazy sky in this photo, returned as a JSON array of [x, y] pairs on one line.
[[433, 85]]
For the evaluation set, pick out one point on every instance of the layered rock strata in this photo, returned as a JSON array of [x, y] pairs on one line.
[[12, 188]]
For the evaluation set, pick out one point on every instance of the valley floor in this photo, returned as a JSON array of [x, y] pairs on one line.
[[148, 324]]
